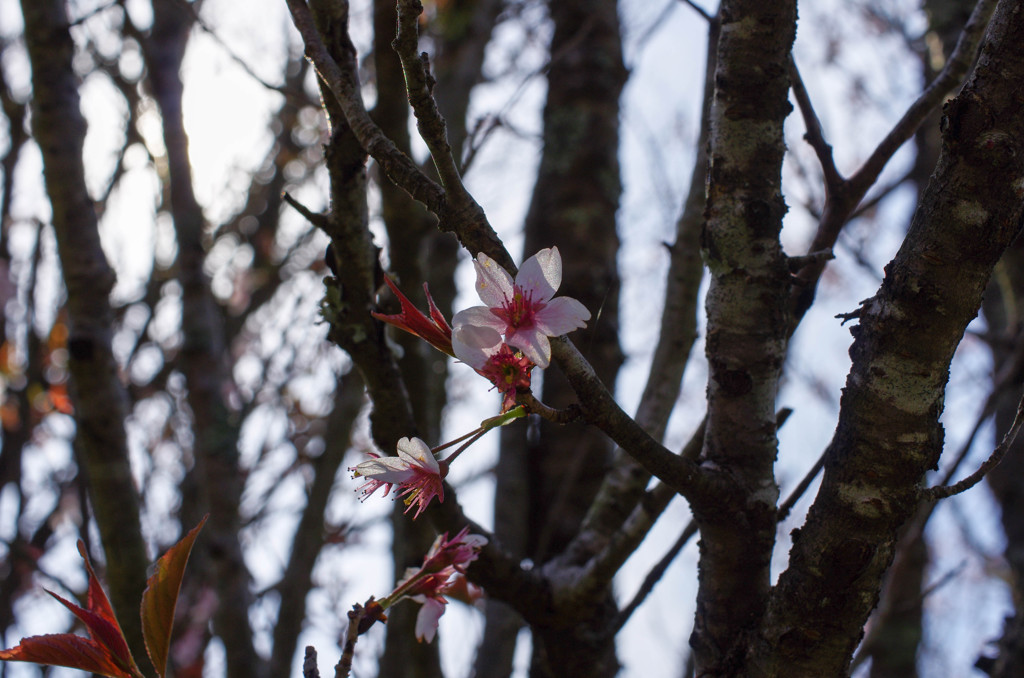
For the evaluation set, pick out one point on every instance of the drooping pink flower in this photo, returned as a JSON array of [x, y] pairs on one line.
[[434, 330], [441, 575], [523, 309], [428, 616], [415, 470], [456, 553], [508, 370]]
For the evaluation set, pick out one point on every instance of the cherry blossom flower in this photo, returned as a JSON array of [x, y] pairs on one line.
[[440, 575], [482, 349], [415, 470], [456, 553], [523, 309], [434, 330]]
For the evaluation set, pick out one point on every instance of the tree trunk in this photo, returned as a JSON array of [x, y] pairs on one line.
[[748, 325], [888, 433], [97, 394], [574, 205]]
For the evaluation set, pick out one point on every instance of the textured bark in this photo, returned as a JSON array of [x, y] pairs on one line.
[[97, 393], [748, 325], [896, 628], [888, 433], [573, 207], [203, 358], [351, 294]]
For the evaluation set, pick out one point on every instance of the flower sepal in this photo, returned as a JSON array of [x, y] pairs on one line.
[[504, 419]]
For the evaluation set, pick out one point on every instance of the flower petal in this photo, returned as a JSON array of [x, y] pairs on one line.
[[474, 345], [480, 316], [387, 469], [561, 315], [540, 275], [416, 452], [533, 344], [429, 614], [493, 283]]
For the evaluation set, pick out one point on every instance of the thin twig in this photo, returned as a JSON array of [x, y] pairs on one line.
[[866, 205], [844, 197], [699, 10], [355, 618], [814, 135], [343, 81], [952, 74], [189, 7], [659, 569], [420, 84], [315, 218], [94, 11], [655, 575], [937, 493]]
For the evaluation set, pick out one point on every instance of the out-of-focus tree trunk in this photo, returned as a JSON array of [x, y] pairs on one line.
[[424, 369], [310, 535], [98, 396], [1004, 311], [419, 253], [553, 473], [203, 358]]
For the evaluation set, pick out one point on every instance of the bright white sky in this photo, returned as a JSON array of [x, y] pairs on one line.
[[226, 112]]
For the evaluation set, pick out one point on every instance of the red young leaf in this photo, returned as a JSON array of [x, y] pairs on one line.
[[105, 652], [100, 619], [67, 649], [105, 634], [161, 597]]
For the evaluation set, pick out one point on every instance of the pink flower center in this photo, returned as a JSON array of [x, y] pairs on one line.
[[520, 311], [507, 371]]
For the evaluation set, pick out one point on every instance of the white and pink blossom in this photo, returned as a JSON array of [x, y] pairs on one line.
[[441, 576], [523, 310], [482, 349], [415, 470]]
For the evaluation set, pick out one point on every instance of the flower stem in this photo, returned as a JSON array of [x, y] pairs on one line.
[[477, 434], [474, 432]]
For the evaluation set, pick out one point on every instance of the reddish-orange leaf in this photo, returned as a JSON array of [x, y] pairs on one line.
[[99, 619], [161, 597], [104, 652], [66, 649], [105, 635]]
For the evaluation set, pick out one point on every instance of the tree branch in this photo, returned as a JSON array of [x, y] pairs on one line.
[[889, 433], [934, 494], [846, 195], [98, 396]]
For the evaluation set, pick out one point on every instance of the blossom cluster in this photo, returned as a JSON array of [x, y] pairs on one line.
[[503, 340], [441, 576]]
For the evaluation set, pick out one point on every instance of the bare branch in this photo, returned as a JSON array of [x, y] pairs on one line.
[[814, 135], [343, 81], [420, 84], [845, 196], [937, 493]]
